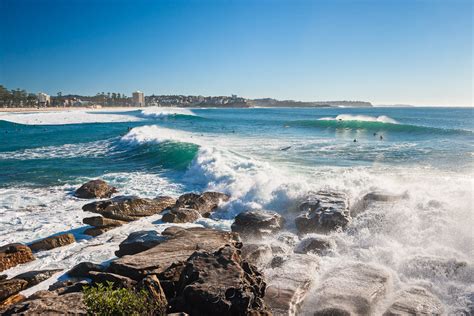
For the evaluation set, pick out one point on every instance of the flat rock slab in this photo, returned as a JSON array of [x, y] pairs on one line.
[[97, 231], [257, 223], [95, 189], [99, 221], [71, 304], [11, 287], [129, 208], [179, 247], [181, 215], [351, 289], [415, 301], [35, 277], [81, 270], [14, 254], [52, 242], [139, 241]]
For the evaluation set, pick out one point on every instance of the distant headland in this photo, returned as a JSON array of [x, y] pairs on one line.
[[20, 98]]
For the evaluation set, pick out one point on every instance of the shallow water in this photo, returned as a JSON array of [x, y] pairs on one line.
[[264, 158]]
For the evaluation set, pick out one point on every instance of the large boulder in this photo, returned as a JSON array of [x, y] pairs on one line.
[[351, 289], [257, 254], [176, 249], [220, 283], [323, 212], [95, 189], [52, 304], [415, 301], [181, 215], [14, 254], [99, 221], [257, 223], [11, 287], [97, 231], [129, 208], [152, 286], [139, 241], [36, 277], [82, 270], [204, 203], [288, 283], [318, 244], [52, 242]]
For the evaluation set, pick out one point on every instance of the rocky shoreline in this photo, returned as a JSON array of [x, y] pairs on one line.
[[266, 264]]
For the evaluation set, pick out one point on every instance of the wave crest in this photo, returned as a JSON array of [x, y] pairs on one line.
[[363, 118], [160, 112]]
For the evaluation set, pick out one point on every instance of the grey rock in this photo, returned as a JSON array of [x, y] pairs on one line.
[[81, 270], [139, 241], [415, 301], [257, 223], [257, 254], [36, 277], [181, 215], [95, 189], [318, 244], [71, 304]]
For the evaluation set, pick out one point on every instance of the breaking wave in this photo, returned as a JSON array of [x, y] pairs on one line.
[[362, 118]]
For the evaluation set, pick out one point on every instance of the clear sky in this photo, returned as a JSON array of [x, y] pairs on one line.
[[384, 51]]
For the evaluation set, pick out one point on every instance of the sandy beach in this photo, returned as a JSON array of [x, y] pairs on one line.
[[53, 109]]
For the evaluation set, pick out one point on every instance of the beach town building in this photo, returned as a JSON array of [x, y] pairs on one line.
[[44, 99], [138, 98]]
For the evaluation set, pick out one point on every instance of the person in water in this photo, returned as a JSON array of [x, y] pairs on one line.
[[355, 140], [381, 137]]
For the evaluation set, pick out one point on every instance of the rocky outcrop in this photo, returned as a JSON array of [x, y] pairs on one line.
[[97, 231], [352, 289], [204, 203], [119, 281], [181, 215], [257, 254], [129, 208], [52, 242], [50, 304], [99, 221], [375, 197], [415, 301], [14, 254], [430, 267], [95, 189], [139, 241], [288, 283], [11, 287], [257, 223], [35, 277], [83, 269], [323, 212], [152, 286], [318, 244], [220, 283], [176, 249]]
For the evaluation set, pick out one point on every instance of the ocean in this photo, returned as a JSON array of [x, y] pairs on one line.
[[265, 158]]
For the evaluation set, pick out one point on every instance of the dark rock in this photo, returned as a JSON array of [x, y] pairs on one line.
[[71, 304], [288, 283], [67, 286], [97, 231], [82, 269], [14, 254], [119, 281], [129, 208], [352, 289], [174, 250], [323, 212], [99, 221], [139, 241], [415, 301], [172, 230], [317, 244], [257, 223], [152, 286], [204, 203], [3, 277], [181, 215], [11, 287], [234, 286], [374, 197], [95, 189], [36, 277], [257, 254], [52, 242]]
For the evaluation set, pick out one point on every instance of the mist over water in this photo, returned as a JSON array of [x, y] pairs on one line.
[[266, 159]]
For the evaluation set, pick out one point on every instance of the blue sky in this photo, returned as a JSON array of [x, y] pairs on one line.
[[384, 51]]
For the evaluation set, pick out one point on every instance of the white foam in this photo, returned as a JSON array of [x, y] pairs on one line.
[[155, 134], [160, 112], [363, 118]]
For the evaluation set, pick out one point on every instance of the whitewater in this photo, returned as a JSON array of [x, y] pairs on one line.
[[265, 159]]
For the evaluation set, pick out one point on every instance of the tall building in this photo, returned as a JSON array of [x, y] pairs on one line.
[[138, 98], [44, 99]]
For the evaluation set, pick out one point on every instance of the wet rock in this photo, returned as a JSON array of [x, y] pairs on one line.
[[181, 215], [234, 286], [323, 212], [119, 281], [374, 197], [288, 283], [352, 289], [36, 277], [14, 299], [415, 301], [152, 286], [129, 208], [14, 254], [3, 277], [204, 203], [97, 231], [172, 230], [139, 241], [318, 244], [65, 287], [82, 269], [99, 221], [95, 189], [177, 248], [11, 287], [71, 303], [434, 268], [257, 223], [257, 254], [52, 242]]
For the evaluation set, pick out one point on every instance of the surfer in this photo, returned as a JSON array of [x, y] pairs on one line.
[[355, 140], [381, 137], [285, 148], [375, 134]]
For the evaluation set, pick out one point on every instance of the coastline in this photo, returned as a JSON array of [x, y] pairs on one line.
[[55, 109]]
